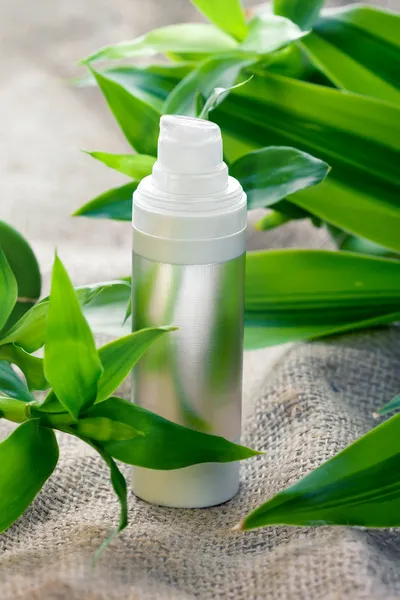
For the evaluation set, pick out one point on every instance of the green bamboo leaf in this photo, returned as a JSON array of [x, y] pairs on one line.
[[347, 73], [218, 96], [16, 410], [119, 357], [29, 331], [113, 204], [31, 366], [369, 214], [290, 62], [120, 488], [8, 289], [25, 267], [283, 212], [353, 58], [101, 429], [347, 127], [367, 35], [191, 58], [152, 84], [71, 362], [128, 312], [220, 71], [268, 33], [383, 23], [160, 446], [261, 333], [170, 71], [181, 38], [138, 120], [228, 15], [358, 136], [352, 243], [136, 166], [291, 210], [270, 174], [360, 486], [394, 404], [322, 293], [363, 246], [150, 88], [199, 103], [104, 308], [321, 278], [28, 458], [304, 14], [11, 384]]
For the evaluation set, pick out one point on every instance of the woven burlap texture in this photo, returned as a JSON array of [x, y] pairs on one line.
[[319, 399]]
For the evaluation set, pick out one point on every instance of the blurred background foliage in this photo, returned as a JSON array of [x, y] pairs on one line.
[[44, 176]]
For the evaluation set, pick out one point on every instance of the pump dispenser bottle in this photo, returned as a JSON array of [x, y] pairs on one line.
[[189, 242]]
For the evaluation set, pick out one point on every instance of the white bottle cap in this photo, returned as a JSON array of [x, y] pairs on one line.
[[189, 198]]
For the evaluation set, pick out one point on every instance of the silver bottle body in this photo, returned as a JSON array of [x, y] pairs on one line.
[[189, 242], [192, 376]]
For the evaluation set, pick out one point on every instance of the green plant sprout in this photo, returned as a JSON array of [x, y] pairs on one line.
[[80, 381]]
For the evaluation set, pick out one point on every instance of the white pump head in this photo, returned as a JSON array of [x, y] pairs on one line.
[[188, 145], [189, 157], [189, 198]]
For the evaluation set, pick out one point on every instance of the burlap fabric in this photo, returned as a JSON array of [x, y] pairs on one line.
[[318, 400]]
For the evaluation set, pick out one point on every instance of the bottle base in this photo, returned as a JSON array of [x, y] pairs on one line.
[[198, 486]]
